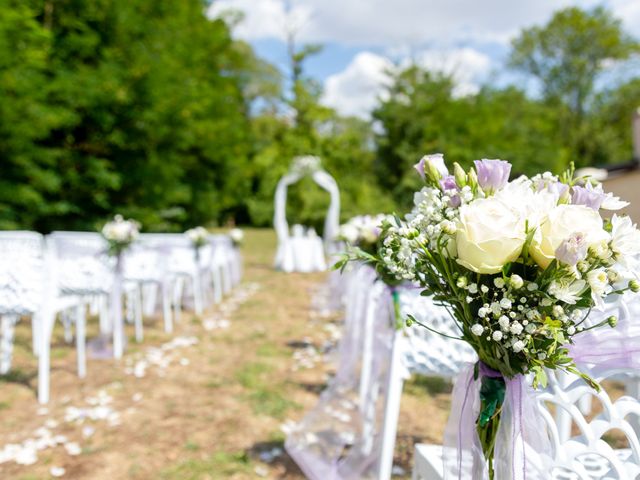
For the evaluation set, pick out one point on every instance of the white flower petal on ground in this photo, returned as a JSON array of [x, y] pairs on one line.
[[57, 471]]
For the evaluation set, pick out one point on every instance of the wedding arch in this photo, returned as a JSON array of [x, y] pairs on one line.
[[301, 249]]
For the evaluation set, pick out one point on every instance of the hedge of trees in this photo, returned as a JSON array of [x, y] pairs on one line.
[[151, 110]]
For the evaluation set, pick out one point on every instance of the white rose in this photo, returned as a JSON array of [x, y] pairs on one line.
[[490, 234], [236, 235], [534, 206], [562, 222], [349, 233]]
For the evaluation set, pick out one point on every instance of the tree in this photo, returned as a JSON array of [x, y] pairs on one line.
[[567, 56], [421, 115]]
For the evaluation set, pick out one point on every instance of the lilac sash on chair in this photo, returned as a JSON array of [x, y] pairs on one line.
[[339, 438]]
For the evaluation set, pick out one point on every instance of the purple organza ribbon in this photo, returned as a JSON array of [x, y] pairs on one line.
[[520, 432], [610, 348]]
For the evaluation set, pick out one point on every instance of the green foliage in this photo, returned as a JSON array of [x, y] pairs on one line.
[[568, 56], [151, 110], [134, 107], [421, 115]]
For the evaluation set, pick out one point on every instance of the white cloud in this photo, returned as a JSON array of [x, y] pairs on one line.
[[629, 12], [401, 22], [264, 18], [355, 90], [467, 66]]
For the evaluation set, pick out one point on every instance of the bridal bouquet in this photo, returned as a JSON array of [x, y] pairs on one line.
[[519, 264], [362, 231], [198, 236], [119, 234], [237, 237]]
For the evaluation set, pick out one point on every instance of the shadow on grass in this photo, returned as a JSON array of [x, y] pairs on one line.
[[316, 388], [272, 453], [19, 377], [420, 385]]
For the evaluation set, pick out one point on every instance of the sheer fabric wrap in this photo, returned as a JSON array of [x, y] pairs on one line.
[[340, 438], [611, 348], [522, 446]]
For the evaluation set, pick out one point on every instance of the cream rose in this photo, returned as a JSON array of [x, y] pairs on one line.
[[489, 234], [562, 222]]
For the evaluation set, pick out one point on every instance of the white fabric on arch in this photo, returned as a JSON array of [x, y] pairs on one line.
[[305, 251]]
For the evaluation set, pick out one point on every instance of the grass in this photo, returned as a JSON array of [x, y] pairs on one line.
[[265, 396], [218, 466], [205, 420], [191, 446]]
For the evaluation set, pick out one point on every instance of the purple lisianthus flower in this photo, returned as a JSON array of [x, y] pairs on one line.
[[447, 184], [436, 160], [572, 250], [558, 188], [492, 174], [587, 197]]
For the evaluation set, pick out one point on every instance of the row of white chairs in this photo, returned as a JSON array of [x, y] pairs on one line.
[[351, 432], [66, 274]]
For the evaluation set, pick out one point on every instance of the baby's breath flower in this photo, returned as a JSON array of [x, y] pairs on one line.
[[477, 329], [516, 281]]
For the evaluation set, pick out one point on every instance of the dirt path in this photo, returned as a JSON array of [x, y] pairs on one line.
[[205, 403]]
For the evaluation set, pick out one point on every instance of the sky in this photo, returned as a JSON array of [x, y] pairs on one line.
[[468, 39]]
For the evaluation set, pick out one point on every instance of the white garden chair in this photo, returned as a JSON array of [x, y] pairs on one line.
[[148, 268], [223, 265], [585, 455], [28, 288], [183, 267], [301, 250], [418, 351], [83, 268]]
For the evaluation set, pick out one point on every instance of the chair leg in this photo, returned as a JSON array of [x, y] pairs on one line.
[[217, 284], [105, 324], [44, 365], [66, 323], [81, 341], [177, 298], [35, 332], [166, 308], [7, 329], [226, 278], [137, 306], [149, 299], [117, 324], [197, 293]]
